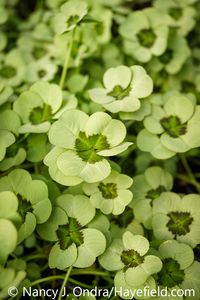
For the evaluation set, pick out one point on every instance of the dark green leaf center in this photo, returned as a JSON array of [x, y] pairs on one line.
[[108, 190], [176, 13], [131, 259], [8, 72], [173, 126], [40, 114], [12, 150], [167, 56], [69, 234], [146, 37], [171, 274], [188, 87], [88, 146], [39, 52], [24, 206], [179, 223], [155, 193], [100, 28], [124, 219], [119, 93], [72, 20], [42, 73]]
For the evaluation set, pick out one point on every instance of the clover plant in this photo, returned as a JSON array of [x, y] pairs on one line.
[[128, 257], [75, 241], [176, 54], [12, 68], [171, 128], [177, 257], [145, 34], [182, 14], [111, 194], [9, 277], [179, 268], [34, 206], [71, 13], [81, 145], [177, 218], [146, 188], [123, 87], [36, 106], [99, 149]]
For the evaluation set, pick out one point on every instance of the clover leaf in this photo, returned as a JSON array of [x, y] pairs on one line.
[[123, 88], [33, 203], [67, 226], [129, 257], [82, 143], [12, 68], [176, 258], [5, 93], [145, 34], [170, 129], [71, 13], [181, 13], [177, 218], [8, 239], [37, 105], [80, 82], [146, 188], [9, 277], [176, 54], [111, 194], [15, 154]]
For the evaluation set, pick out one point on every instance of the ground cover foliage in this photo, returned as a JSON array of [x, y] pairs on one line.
[[99, 145]]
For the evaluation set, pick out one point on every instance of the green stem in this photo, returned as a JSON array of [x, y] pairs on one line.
[[189, 172], [64, 282], [49, 278], [45, 267], [78, 283], [90, 272], [36, 168], [184, 178], [66, 278], [66, 63], [36, 282], [35, 256]]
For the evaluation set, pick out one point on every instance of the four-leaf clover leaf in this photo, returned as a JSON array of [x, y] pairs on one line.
[[176, 217], [71, 13], [124, 86], [82, 145], [76, 244], [34, 206], [171, 129], [129, 257], [110, 195]]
